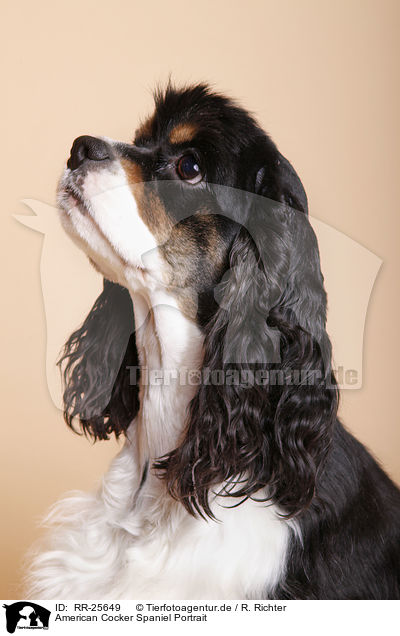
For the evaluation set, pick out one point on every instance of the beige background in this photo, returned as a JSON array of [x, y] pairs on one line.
[[322, 77]]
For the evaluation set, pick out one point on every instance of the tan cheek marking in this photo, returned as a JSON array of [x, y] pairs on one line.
[[150, 207], [183, 133], [181, 252], [177, 244]]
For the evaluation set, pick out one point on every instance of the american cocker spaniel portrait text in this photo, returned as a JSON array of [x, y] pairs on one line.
[[207, 351]]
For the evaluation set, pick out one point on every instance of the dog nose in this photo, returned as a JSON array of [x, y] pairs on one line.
[[87, 147]]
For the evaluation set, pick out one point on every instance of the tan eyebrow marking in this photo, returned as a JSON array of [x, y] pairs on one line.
[[182, 133]]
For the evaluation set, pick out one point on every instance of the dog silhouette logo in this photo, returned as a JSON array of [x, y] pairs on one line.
[[26, 615], [349, 280]]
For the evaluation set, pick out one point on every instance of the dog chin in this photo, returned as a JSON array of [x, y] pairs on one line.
[[80, 225]]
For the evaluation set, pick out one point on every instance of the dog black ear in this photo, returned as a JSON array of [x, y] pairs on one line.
[[276, 178], [95, 367], [265, 429]]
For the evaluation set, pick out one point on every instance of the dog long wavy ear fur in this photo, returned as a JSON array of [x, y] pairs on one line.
[[94, 364], [268, 426]]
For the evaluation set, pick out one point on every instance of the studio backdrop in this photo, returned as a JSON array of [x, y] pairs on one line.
[[320, 77]]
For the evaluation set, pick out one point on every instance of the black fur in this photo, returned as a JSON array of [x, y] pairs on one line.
[[97, 357], [350, 547], [284, 438]]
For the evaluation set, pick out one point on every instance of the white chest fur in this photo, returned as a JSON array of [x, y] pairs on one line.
[[174, 555], [115, 546], [131, 539]]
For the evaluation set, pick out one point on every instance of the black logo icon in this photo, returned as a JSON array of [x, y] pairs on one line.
[[26, 615]]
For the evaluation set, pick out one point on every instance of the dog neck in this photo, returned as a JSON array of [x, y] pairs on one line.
[[170, 351]]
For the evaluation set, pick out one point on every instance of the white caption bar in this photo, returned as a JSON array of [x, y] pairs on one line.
[[175, 617]]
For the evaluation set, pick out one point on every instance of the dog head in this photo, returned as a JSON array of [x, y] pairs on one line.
[[165, 196], [203, 205]]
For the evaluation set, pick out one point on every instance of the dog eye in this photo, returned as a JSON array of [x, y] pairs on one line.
[[188, 169]]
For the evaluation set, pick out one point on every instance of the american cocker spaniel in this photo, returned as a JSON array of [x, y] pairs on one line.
[[207, 351]]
